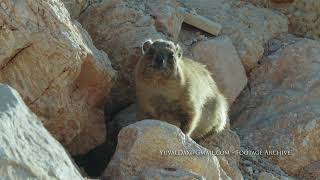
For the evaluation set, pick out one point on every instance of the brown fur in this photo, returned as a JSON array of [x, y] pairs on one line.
[[178, 90]]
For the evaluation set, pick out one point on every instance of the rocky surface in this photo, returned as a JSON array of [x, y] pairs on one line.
[[269, 76], [53, 64], [267, 176], [226, 146], [248, 26], [76, 7], [123, 27], [27, 150], [253, 165], [280, 110], [152, 143], [303, 15], [221, 58], [168, 173]]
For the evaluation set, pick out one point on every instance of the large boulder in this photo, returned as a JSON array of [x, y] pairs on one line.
[[223, 62], [53, 64], [120, 28], [157, 144], [225, 145], [303, 15], [248, 26], [280, 111], [27, 150]]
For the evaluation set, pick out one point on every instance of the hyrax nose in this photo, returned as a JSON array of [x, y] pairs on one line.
[[160, 61]]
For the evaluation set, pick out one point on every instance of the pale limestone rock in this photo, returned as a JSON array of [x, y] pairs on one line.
[[27, 149], [149, 143], [222, 60], [267, 176], [248, 26], [53, 64], [226, 146], [281, 110], [75, 7], [303, 15]]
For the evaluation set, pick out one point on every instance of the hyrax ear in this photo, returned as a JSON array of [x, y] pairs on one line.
[[146, 45], [179, 51]]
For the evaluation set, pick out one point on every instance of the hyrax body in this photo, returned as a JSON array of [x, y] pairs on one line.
[[178, 90]]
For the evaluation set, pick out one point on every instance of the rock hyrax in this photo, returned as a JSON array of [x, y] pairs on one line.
[[178, 90]]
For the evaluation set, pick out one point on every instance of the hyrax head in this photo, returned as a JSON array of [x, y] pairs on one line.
[[161, 56]]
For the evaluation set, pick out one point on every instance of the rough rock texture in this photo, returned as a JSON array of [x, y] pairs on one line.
[[168, 16], [75, 7], [248, 26], [27, 150], [226, 146], [223, 62], [267, 176], [123, 27], [152, 143], [169, 173], [53, 64], [253, 164], [303, 15], [312, 171], [280, 112]]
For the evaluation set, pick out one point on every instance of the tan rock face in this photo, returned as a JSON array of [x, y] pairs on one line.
[[152, 143], [303, 15], [224, 63], [123, 27], [312, 171], [28, 151], [226, 146], [281, 110], [267, 176], [75, 7], [249, 27], [61, 76]]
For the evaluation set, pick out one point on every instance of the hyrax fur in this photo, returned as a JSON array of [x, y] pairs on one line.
[[178, 90]]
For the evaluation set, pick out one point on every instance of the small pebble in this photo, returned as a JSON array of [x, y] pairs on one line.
[[247, 163], [249, 170]]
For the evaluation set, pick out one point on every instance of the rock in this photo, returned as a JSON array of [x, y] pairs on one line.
[[226, 146], [121, 120], [152, 143], [280, 112], [223, 144], [120, 28], [248, 26], [75, 7], [223, 62], [169, 173], [247, 163], [303, 15], [53, 64], [249, 170], [27, 149], [267, 176], [312, 171], [167, 16]]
